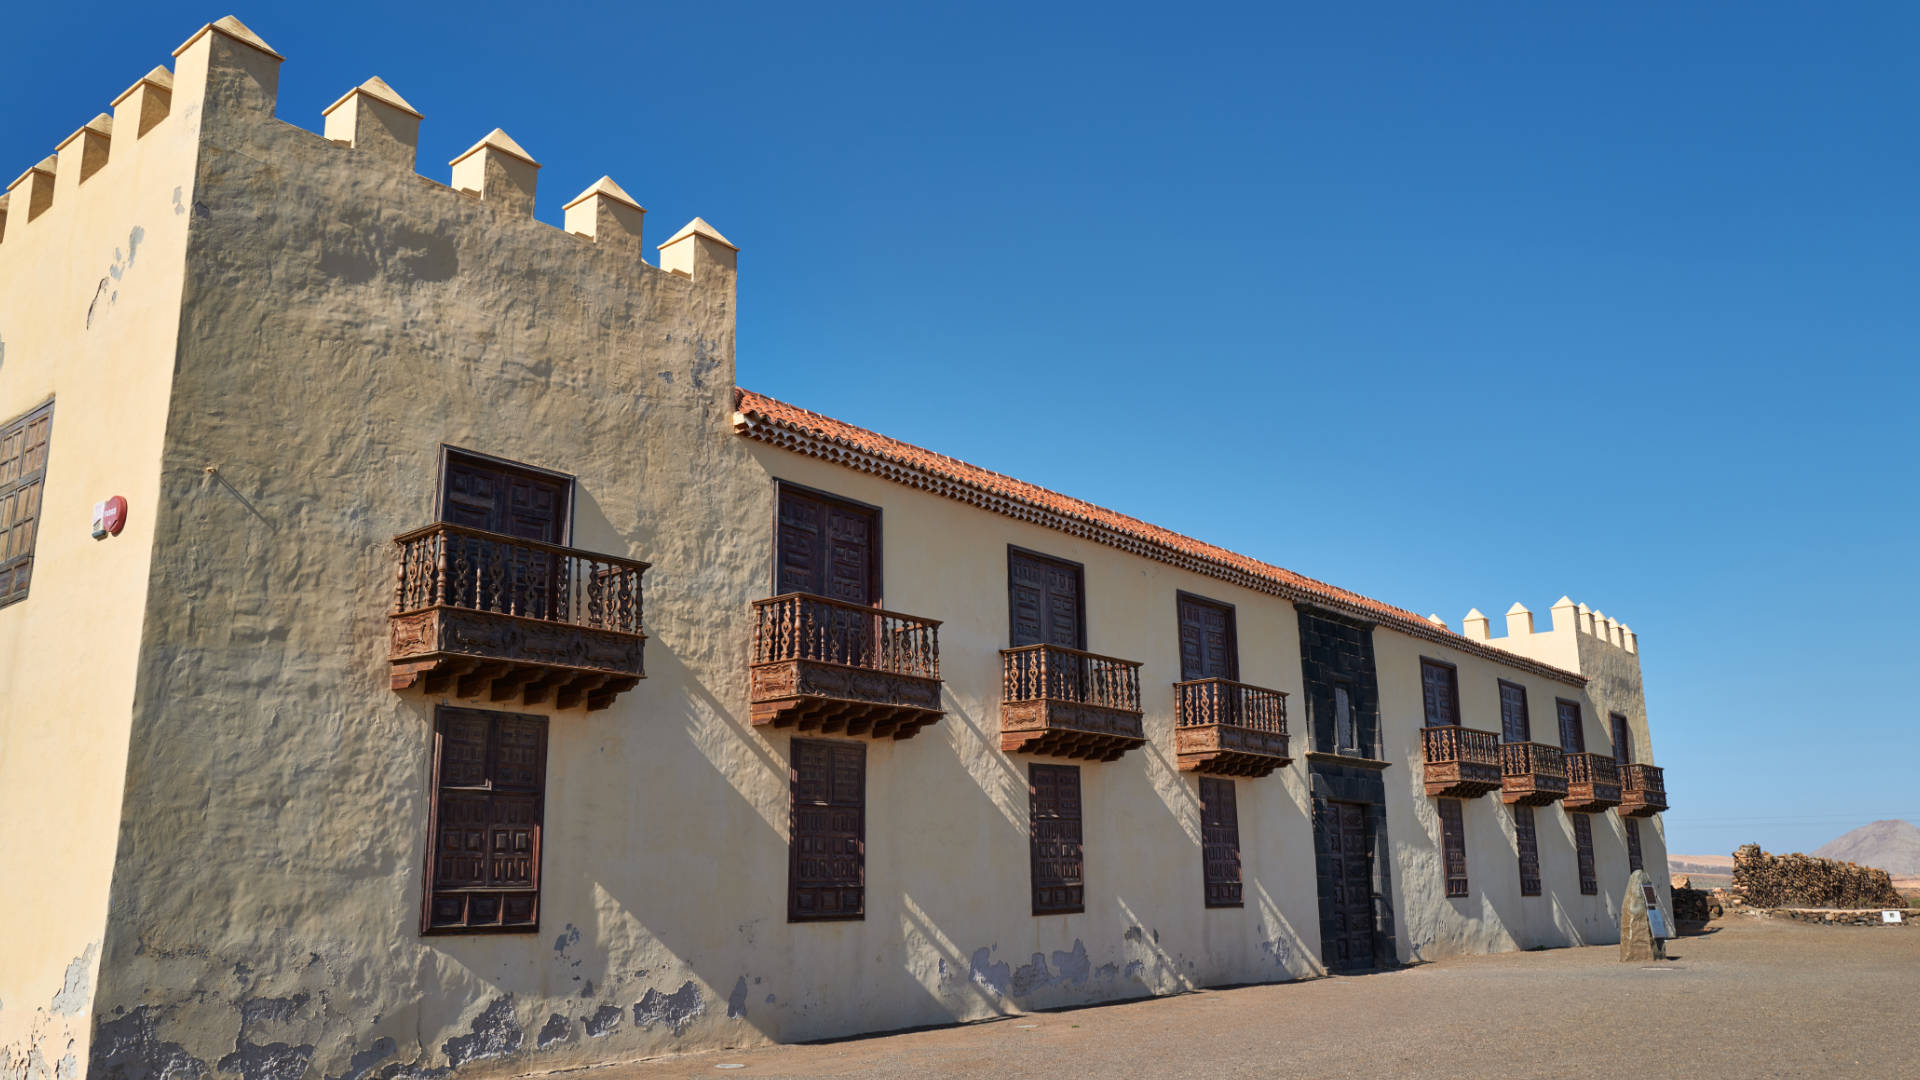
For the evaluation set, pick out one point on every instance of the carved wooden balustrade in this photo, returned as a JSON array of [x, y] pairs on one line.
[[1532, 774], [1462, 763], [1068, 703], [1229, 728], [1643, 790], [479, 612], [830, 666], [1593, 784]]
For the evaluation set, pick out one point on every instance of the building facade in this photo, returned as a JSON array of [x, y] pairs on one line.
[[418, 653]]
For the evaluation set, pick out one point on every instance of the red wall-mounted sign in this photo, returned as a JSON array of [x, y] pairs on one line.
[[109, 517]]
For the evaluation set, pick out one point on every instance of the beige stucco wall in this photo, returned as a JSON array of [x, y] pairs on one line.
[[89, 305], [341, 318]]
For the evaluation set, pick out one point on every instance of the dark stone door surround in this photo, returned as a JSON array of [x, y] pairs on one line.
[[1336, 650]]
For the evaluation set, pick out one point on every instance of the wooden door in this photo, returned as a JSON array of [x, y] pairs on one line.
[[1515, 726], [1572, 738], [1045, 599], [1622, 740], [480, 493], [1350, 848], [827, 846], [1207, 646], [827, 547]]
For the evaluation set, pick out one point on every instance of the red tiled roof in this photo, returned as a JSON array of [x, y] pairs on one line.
[[806, 432]]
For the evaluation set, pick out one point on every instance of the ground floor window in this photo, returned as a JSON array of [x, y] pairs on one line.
[[1059, 869], [483, 845], [1220, 841], [1633, 845], [1583, 847], [1453, 842], [827, 853], [1528, 844]]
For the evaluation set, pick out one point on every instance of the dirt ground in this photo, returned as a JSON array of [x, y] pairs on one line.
[[1749, 999]]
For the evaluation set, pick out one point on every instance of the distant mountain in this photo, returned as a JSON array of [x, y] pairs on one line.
[[1893, 846]]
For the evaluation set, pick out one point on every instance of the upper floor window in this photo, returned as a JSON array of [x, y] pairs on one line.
[[505, 497], [1441, 692], [1573, 737], [1622, 740], [1046, 600], [1515, 727], [1345, 733], [1208, 645], [23, 471], [826, 546]]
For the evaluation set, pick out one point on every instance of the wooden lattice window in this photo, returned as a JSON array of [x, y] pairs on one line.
[[1528, 844], [1442, 693], [1453, 846], [1583, 848], [1633, 845], [1515, 724], [827, 855], [483, 850], [1573, 733], [1059, 869], [1220, 841], [23, 472]]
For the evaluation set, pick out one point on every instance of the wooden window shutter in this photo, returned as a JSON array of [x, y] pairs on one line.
[[483, 847], [1583, 848], [1059, 872], [1528, 843], [1633, 845], [827, 849], [1573, 735], [1220, 841], [1515, 725], [1442, 697], [23, 473], [1453, 841]]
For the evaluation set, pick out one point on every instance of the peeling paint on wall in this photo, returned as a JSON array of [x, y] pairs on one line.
[[604, 1021], [76, 993], [494, 1034], [677, 1010], [127, 1048], [737, 1001], [557, 1028]]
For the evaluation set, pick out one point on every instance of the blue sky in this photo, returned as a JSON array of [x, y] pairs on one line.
[[1455, 307]]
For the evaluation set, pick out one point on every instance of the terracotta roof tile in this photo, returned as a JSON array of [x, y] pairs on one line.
[[774, 421]]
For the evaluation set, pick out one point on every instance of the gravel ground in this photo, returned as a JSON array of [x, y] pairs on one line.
[[1749, 999]]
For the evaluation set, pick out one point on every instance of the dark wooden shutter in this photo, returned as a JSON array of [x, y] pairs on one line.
[[1207, 646], [1573, 737], [483, 859], [484, 494], [1515, 726], [1633, 845], [1059, 874], [1044, 599], [1220, 841], [827, 547], [1528, 843], [1583, 849], [23, 473], [1622, 740], [1441, 694], [1453, 843], [827, 855]]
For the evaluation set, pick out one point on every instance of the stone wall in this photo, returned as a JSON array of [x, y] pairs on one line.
[[1775, 881]]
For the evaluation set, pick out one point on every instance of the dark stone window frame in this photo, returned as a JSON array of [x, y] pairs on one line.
[[23, 477]]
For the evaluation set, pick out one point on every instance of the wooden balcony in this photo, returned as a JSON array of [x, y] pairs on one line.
[[481, 614], [1532, 774], [827, 666], [1593, 784], [1643, 790], [1227, 728], [1068, 703], [1461, 763]]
